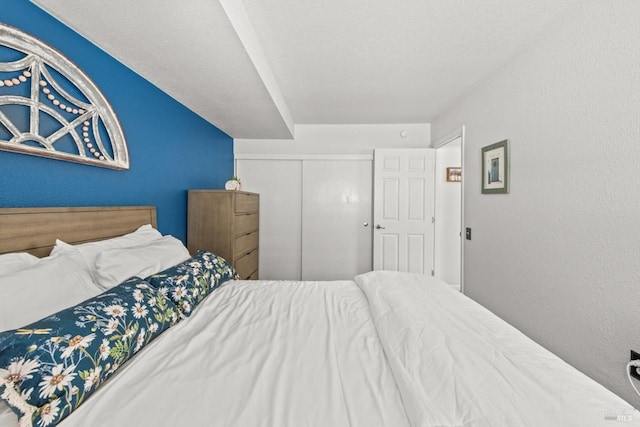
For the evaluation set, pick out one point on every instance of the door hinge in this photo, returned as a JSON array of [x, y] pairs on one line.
[[433, 220], [433, 273]]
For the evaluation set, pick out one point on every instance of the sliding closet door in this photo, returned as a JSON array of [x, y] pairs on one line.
[[279, 185], [336, 203]]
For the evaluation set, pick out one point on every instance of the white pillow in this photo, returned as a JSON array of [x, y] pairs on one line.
[[90, 251], [53, 284], [10, 263], [113, 266]]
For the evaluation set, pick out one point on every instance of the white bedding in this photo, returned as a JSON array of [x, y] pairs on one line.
[[458, 364], [258, 354], [389, 349]]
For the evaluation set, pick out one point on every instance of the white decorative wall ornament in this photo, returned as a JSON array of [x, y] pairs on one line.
[[50, 108]]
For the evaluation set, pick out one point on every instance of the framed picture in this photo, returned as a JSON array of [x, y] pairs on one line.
[[495, 168], [454, 174]]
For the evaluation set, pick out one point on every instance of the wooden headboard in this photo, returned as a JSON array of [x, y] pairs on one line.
[[35, 230]]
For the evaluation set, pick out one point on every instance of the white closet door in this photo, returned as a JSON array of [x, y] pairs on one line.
[[279, 184], [336, 203]]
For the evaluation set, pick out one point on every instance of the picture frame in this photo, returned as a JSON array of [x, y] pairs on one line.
[[495, 168], [454, 174]]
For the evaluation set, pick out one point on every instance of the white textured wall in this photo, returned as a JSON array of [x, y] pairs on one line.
[[559, 257]]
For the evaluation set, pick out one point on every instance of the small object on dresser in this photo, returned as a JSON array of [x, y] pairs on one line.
[[233, 184]]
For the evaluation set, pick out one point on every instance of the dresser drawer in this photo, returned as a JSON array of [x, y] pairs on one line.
[[245, 243], [247, 264], [246, 203], [246, 223], [254, 276]]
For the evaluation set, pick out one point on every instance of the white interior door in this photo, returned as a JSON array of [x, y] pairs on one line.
[[336, 203], [403, 210]]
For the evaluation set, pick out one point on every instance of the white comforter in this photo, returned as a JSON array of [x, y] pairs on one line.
[[457, 364], [389, 349], [258, 354]]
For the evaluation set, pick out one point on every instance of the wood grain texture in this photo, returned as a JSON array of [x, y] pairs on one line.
[[246, 223], [35, 230], [246, 202], [245, 243], [227, 224], [247, 264]]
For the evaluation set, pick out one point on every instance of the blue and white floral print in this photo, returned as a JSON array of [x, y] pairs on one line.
[[189, 282], [50, 367]]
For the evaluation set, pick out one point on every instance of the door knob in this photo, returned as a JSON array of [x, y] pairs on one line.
[[379, 227], [366, 224]]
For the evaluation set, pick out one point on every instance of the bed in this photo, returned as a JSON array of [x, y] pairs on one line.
[[384, 349]]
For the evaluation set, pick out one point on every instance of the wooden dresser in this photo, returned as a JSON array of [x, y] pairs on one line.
[[227, 224]]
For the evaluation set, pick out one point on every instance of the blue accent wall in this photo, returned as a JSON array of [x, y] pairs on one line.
[[171, 148]]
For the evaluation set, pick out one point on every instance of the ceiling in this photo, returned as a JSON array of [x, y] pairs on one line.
[[256, 68]]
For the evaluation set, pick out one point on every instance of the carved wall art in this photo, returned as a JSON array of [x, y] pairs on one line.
[[50, 108]]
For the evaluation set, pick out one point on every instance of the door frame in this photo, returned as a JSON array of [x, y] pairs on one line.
[[458, 133]]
